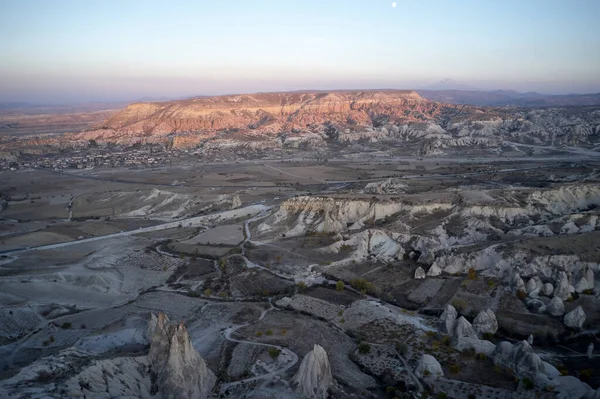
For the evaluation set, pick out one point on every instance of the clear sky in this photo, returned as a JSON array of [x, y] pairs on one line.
[[105, 50]]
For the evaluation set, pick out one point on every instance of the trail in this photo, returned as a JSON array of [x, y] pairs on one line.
[[284, 352]]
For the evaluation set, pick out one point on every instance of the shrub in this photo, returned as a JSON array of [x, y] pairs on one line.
[[283, 331], [339, 286], [259, 333], [521, 294], [527, 383], [459, 304], [488, 336], [341, 312], [301, 286], [491, 283], [66, 325], [563, 371], [342, 320], [589, 291], [363, 348], [446, 340], [472, 274], [481, 356], [426, 373], [274, 352], [442, 395], [269, 332], [585, 375], [454, 368], [207, 292]]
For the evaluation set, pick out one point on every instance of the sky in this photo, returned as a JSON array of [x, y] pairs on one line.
[[65, 51]]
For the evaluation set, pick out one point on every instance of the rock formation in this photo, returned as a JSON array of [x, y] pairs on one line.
[[590, 350], [520, 358], [314, 375], [518, 283], [463, 329], [428, 366], [575, 318], [449, 316], [530, 339], [563, 288], [547, 289], [419, 273], [556, 307], [180, 371], [485, 322]]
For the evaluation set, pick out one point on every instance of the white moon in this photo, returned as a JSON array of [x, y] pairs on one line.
[[393, 4]]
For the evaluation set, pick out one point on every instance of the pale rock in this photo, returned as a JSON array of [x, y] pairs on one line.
[[520, 358], [180, 371], [556, 307], [449, 316], [428, 366], [592, 394], [569, 387], [434, 271], [462, 328], [485, 322], [581, 285], [419, 273], [563, 288], [314, 375], [590, 350], [518, 283], [575, 318], [589, 276], [479, 345], [547, 289], [530, 339]]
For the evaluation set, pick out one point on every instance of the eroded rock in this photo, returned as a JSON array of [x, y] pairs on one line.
[[520, 358], [419, 273], [556, 307], [575, 318], [314, 375], [180, 371], [449, 316], [428, 366], [485, 322]]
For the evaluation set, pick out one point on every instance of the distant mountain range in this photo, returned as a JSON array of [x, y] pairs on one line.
[[509, 97]]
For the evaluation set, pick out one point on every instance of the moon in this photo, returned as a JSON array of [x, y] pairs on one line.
[[393, 4]]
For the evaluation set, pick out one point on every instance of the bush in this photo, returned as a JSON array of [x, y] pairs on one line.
[[454, 368], [66, 325], [589, 291], [302, 286], [491, 283], [481, 356], [274, 352], [527, 383], [283, 331], [207, 292], [363, 348], [472, 274], [585, 375], [446, 340], [269, 332], [339, 286], [259, 333], [459, 305]]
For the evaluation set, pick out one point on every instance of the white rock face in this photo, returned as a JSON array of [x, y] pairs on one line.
[[314, 376], [556, 307], [181, 372], [434, 270], [530, 339], [563, 288], [485, 322], [419, 273], [462, 328], [449, 316], [518, 283], [520, 358], [428, 366], [575, 318], [547, 289]]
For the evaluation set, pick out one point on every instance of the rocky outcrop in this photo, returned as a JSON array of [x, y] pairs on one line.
[[575, 318], [463, 329], [429, 366], [556, 307], [419, 273], [179, 369], [485, 322], [314, 377], [563, 287], [449, 316], [520, 358], [547, 289]]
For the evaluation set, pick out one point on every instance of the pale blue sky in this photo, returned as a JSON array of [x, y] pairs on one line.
[[82, 50]]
